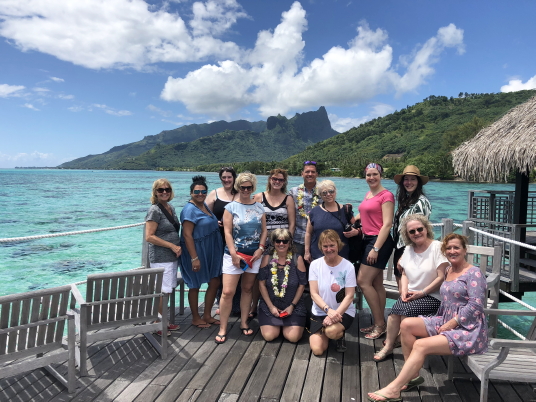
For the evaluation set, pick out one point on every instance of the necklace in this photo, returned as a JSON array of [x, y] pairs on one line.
[[275, 280], [300, 196]]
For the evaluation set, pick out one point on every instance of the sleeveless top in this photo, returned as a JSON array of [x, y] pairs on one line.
[[217, 210], [276, 217]]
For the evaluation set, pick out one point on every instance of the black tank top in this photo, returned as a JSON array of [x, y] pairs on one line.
[[218, 209]]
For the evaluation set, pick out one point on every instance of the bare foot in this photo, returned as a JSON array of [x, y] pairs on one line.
[[200, 324], [217, 311], [383, 395], [211, 321]]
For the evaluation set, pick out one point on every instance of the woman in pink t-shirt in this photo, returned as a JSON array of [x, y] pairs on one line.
[[376, 214]]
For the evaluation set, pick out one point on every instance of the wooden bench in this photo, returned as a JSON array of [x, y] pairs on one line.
[[128, 300], [32, 325]]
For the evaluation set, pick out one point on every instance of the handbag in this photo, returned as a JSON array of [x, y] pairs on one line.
[[354, 243]]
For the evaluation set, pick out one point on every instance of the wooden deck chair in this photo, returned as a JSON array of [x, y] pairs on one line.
[[125, 303], [32, 326]]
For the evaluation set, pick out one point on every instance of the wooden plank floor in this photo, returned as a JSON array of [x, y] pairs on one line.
[[247, 369]]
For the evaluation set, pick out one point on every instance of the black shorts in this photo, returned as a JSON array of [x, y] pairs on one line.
[[383, 255], [315, 322]]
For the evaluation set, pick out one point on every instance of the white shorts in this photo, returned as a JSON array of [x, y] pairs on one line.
[[169, 281], [229, 268]]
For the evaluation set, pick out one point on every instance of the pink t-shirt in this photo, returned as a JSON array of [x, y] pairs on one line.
[[371, 211]]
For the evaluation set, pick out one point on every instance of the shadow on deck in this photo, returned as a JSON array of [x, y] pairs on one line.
[[247, 369]]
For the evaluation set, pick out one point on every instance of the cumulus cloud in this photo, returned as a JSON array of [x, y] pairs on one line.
[[342, 124], [518, 85], [10, 90], [272, 74], [142, 34], [30, 106], [27, 159]]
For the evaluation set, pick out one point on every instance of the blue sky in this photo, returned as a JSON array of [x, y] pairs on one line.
[[80, 77]]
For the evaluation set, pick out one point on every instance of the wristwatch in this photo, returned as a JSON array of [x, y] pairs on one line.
[[376, 249], [326, 309]]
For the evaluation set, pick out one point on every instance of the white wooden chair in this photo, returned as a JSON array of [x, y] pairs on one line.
[[126, 303], [31, 333]]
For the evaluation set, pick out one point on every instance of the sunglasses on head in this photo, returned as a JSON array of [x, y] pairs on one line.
[[279, 241], [277, 180], [326, 192], [412, 231], [309, 163], [246, 188], [196, 192], [164, 190]]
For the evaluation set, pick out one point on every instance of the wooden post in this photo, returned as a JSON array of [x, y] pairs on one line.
[[520, 202], [144, 251], [469, 233], [447, 228], [515, 255]]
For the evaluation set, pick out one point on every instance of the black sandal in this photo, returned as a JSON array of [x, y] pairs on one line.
[[222, 339], [246, 330]]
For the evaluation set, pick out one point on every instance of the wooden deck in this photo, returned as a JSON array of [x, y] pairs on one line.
[[246, 369]]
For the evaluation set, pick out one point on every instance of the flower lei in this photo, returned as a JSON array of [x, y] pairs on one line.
[[275, 280], [300, 196]]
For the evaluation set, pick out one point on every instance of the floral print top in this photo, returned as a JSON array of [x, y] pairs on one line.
[[463, 297]]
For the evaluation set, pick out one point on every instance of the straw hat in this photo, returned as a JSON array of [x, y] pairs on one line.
[[410, 170]]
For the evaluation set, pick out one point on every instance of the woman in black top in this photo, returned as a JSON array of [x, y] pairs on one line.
[[282, 280]]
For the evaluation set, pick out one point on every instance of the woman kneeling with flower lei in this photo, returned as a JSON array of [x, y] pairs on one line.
[[281, 283]]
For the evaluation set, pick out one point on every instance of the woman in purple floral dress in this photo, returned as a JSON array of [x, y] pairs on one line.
[[459, 329]]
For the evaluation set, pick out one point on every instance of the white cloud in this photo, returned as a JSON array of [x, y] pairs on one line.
[[111, 111], [518, 85], [342, 124], [271, 74], [10, 90], [165, 113], [66, 97], [75, 108], [142, 34], [39, 89], [30, 106], [56, 79], [24, 159]]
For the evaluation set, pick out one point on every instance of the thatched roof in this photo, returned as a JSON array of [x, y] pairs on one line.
[[507, 145]]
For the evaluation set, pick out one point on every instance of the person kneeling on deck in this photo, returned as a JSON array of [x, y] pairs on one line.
[[282, 280], [332, 283]]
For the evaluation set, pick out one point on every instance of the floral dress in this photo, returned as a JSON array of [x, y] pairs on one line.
[[463, 297]]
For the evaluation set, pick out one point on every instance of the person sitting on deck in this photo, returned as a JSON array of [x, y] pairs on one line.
[[332, 283], [282, 280], [459, 328], [422, 274]]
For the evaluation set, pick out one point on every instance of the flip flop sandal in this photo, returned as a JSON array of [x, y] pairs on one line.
[[367, 330], [413, 384], [379, 330], [385, 399], [382, 354], [222, 339], [246, 330], [215, 322], [173, 327]]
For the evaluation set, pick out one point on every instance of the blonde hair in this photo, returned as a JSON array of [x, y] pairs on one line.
[[273, 172], [419, 218], [330, 235], [325, 185], [243, 177], [156, 185]]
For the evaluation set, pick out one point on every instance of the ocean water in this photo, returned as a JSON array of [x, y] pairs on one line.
[[35, 202]]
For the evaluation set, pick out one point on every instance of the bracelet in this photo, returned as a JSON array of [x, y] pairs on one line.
[[261, 247], [456, 319], [424, 293], [293, 305], [196, 258]]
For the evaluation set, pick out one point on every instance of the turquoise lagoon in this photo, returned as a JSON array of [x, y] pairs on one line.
[[35, 202]]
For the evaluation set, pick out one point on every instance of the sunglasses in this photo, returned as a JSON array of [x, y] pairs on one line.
[[197, 192], [275, 179], [164, 190], [279, 241], [412, 231], [309, 163], [324, 193], [246, 188]]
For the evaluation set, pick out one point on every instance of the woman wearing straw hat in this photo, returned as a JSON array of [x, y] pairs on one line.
[[411, 200]]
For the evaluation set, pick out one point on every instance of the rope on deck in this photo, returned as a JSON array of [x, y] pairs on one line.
[[26, 238], [517, 300], [517, 243], [508, 327]]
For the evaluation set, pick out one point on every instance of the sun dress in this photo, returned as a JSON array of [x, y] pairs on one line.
[[463, 297], [208, 245]]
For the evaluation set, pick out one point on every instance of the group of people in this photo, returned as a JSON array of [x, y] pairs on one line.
[[277, 244]]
